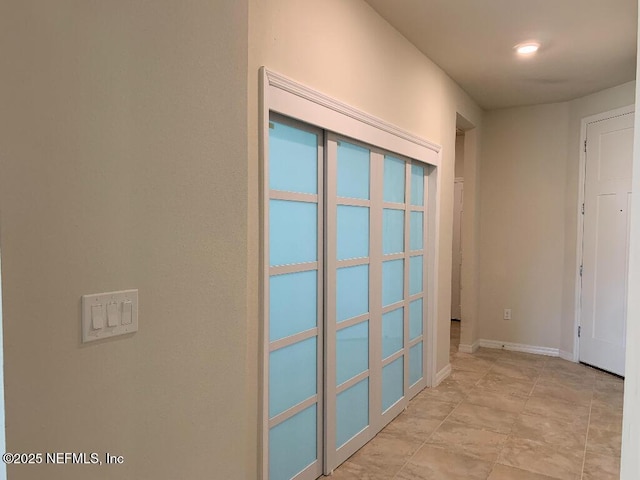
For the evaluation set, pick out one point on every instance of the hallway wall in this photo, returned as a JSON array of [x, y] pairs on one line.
[[123, 148], [521, 245], [529, 207]]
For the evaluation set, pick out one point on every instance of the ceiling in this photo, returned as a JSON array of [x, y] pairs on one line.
[[586, 45]]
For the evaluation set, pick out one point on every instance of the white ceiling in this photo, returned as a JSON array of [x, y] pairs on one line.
[[587, 45]]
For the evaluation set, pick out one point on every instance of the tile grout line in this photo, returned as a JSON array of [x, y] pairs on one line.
[[493, 362], [510, 434], [436, 429], [426, 439], [586, 438]]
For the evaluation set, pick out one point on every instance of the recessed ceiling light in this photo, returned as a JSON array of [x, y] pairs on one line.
[[527, 48]]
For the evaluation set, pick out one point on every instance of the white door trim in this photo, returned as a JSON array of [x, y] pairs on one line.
[[580, 223]]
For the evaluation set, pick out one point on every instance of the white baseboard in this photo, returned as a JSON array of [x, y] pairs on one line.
[[519, 347], [567, 356], [442, 374], [466, 348]]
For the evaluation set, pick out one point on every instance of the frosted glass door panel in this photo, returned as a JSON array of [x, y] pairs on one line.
[[352, 351], [392, 332], [417, 185], [293, 232], [352, 412], [415, 319], [392, 231], [415, 275], [292, 375], [293, 445], [293, 159], [416, 230], [393, 180], [392, 383], [415, 363], [294, 292], [292, 304], [353, 171], [352, 292], [353, 232], [392, 282]]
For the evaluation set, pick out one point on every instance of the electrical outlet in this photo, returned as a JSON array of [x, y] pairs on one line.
[[507, 314]]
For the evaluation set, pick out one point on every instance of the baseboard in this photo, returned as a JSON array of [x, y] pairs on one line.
[[566, 356], [442, 374], [519, 347], [466, 348]]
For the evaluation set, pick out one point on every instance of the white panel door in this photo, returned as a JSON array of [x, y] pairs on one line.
[[606, 242], [456, 256]]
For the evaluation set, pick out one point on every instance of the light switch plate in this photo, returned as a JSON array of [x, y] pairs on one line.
[[125, 301]]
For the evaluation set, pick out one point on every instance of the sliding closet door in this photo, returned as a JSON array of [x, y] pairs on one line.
[[416, 298], [345, 316], [375, 300], [350, 294], [294, 321], [403, 299], [394, 285]]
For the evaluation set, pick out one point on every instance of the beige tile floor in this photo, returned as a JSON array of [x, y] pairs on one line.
[[501, 416]]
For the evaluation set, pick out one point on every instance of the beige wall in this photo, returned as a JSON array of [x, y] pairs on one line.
[[346, 50], [522, 223], [529, 211], [123, 165]]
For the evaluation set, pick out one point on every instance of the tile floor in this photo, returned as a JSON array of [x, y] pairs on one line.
[[501, 416]]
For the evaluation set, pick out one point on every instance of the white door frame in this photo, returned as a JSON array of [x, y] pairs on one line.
[[580, 223]]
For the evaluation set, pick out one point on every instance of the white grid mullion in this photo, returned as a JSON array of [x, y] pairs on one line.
[[352, 262], [353, 381], [353, 202], [320, 302], [352, 321], [330, 376], [394, 356], [292, 339], [276, 270], [394, 206], [375, 292], [294, 196], [393, 256], [290, 412], [407, 247]]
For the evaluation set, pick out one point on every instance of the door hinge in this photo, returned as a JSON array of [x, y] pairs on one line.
[[585, 146], [580, 270], [583, 208], [579, 331]]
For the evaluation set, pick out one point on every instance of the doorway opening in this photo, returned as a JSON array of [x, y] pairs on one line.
[[464, 239], [456, 248]]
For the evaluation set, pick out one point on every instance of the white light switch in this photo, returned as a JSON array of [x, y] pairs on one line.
[[97, 319], [126, 312], [109, 314], [112, 314]]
